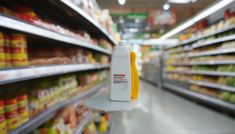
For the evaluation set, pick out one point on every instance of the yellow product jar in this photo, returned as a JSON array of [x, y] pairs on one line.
[[3, 125], [2, 54], [7, 51], [19, 50]]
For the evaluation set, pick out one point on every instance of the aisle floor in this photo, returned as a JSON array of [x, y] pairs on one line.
[[162, 112]]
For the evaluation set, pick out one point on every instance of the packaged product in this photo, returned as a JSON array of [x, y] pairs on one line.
[[23, 111], [7, 50], [3, 125], [19, 50], [11, 114], [2, 54]]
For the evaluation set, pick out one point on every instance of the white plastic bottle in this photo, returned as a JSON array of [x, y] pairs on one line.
[[120, 74]]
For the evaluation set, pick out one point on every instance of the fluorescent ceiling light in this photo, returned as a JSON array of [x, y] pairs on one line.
[[151, 41], [166, 6], [121, 2], [182, 1], [205, 13], [133, 30]]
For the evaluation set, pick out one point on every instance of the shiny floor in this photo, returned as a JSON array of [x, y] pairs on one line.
[[161, 112]]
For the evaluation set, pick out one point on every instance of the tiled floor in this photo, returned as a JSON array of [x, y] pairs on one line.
[[161, 112]]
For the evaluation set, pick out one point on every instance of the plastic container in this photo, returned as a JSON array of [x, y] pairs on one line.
[[121, 74]]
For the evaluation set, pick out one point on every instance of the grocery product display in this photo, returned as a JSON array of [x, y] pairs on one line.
[[205, 63], [75, 119], [117, 66], [100, 125], [36, 96], [202, 30], [53, 56]]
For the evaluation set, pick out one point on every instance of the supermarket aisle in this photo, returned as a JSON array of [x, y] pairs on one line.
[[166, 113]]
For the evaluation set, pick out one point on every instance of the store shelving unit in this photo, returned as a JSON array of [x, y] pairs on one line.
[[49, 113], [12, 75], [212, 85], [210, 73], [212, 62], [88, 18], [213, 52], [19, 25], [192, 40], [214, 41], [213, 73], [201, 97], [183, 74]]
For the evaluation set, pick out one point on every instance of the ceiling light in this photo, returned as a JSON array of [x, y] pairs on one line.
[[133, 30], [205, 13], [182, 1], [121, 2], [137, 21], [166, 6]]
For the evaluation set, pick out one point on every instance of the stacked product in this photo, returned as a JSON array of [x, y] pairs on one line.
[[65, 122], [36, 96], [28, 14], [100, 124], [202, 28], [13, 112], [101, 16], [205, 64], [50, 56], [13, 50], [14, 53]]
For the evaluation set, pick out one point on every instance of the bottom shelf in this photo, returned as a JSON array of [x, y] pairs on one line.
[[206, 99], [51, 112]]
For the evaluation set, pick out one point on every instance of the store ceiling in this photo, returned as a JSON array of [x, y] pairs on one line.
[[183, 11]]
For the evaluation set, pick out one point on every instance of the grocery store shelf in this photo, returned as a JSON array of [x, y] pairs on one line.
[[14, 75], [178, 56], [214, 41], [213, 73], [178, 72], [88, 18], [202, 37], [180, 50], [213, 85], [212, 62], [213, 52], [83, 123], [19, 25], [204, 98], [50, 112]]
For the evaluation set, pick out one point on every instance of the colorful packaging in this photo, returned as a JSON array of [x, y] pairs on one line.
[[7, 51], [11, 114], [19, 50], [2, 54], [12, 120], [10, 105], [2, 111], [23, 110], [3, 125]]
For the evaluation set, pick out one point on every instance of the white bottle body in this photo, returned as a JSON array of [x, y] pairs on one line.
[[120, 75]]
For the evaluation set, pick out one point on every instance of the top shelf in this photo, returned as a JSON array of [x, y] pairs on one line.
[[88, 18], [205, 36], [16, 24]]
